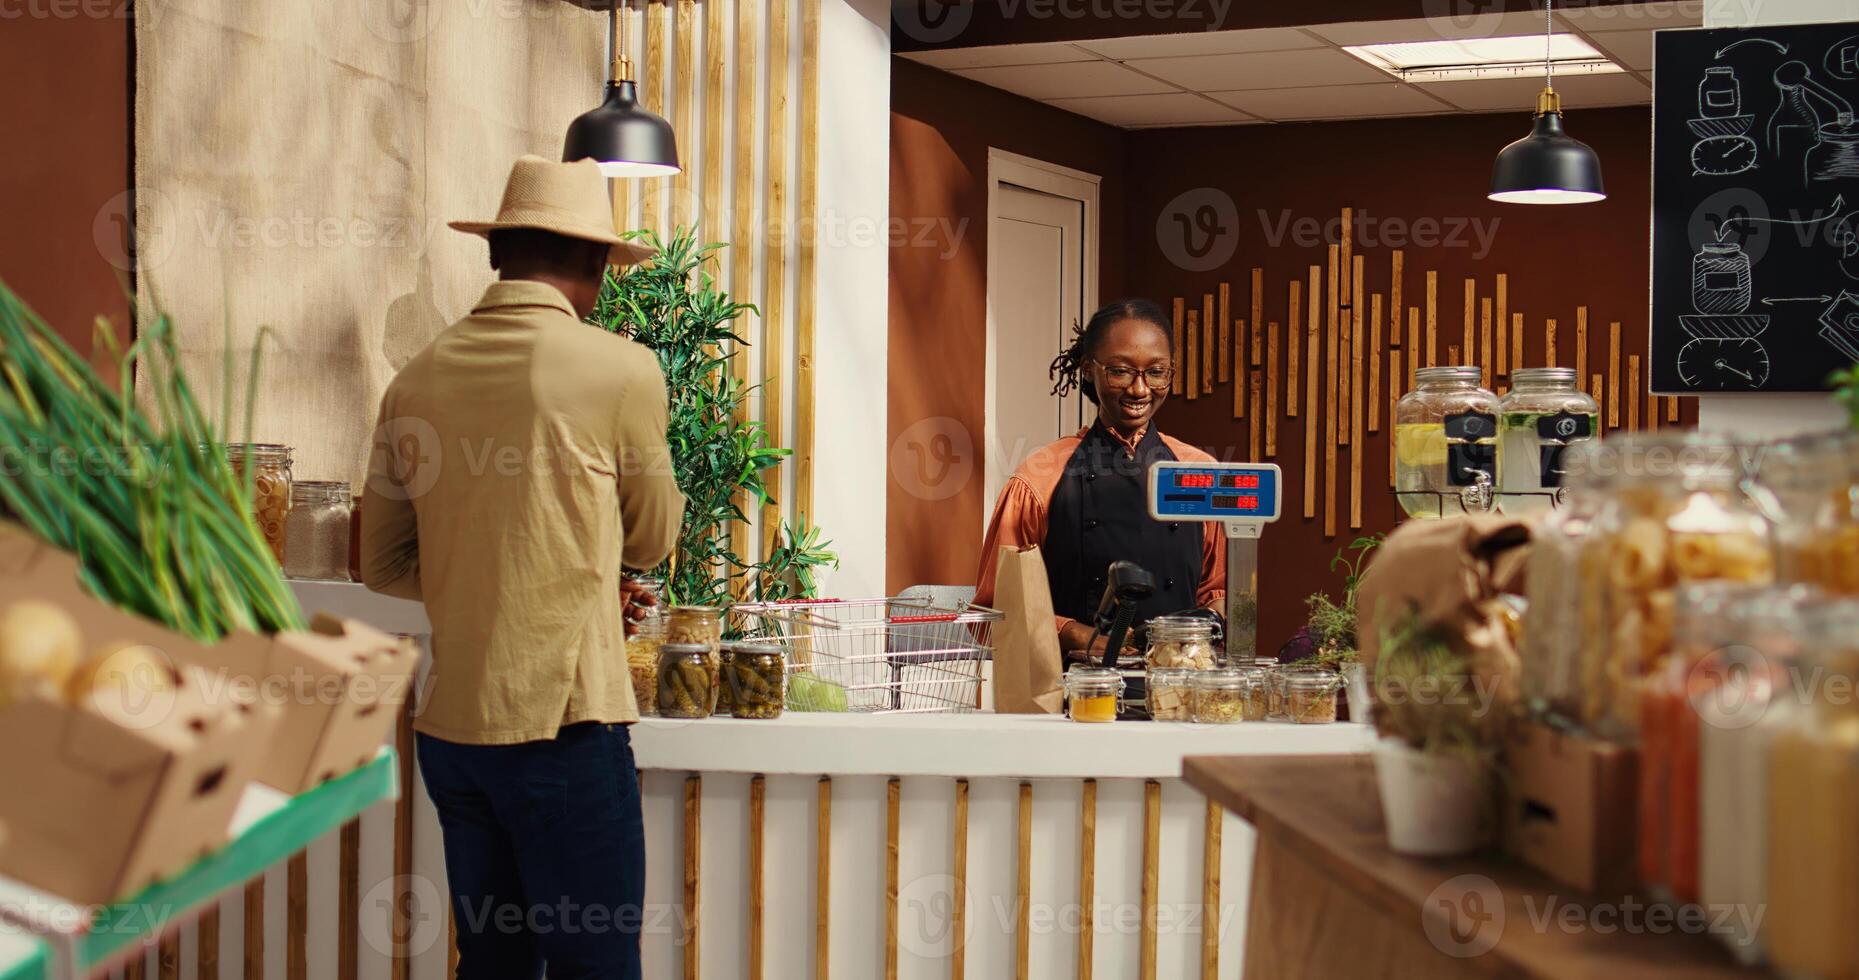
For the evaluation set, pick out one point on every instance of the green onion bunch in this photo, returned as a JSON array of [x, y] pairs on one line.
[[161, 522]]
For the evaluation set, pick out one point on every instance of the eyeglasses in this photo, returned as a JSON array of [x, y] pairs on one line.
[[1120, 376]]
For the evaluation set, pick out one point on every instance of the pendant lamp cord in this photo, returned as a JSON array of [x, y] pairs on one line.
[[1549, 33]]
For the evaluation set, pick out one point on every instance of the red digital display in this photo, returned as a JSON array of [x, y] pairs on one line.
[[1246, 502], [1194, 481], [1239, 481]]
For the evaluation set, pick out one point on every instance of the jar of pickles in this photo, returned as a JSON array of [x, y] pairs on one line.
[[1813, 485], [703, 626], [686, 681], [1544, 413], [1445, 443], [1675, 511], [316, 530], [1183, 641], [1310, 696], [267, 466], [1171, 696], [1219, 696], [755, 676], [1091, 693]]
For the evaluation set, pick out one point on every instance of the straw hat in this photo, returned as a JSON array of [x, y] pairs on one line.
[[568, 199]]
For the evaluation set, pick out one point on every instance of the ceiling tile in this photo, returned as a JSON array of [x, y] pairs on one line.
[[1634, 17], [1578, 92], [1630, 48], [1202, 43], [1170, 109], [1446, 27], [1000, 55], [1265, 69], [1066, 81], [1334, 102]]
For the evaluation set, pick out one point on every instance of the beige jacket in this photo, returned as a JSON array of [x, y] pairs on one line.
[[519, 463]]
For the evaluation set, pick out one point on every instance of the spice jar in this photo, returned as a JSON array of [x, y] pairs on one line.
[[267, 466], [1092, 693], [1257, 692], [1219, 696], [1812, 484], [1310, 696], [686, 681], [755, 674], [1182, 641], [1171, 697], [1445, 443], [1544, 413], [316, 531]]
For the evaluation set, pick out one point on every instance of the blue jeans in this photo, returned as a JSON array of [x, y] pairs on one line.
[[545, 849]]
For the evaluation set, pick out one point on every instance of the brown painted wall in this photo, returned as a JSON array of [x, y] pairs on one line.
[[63, 181], [941, 129]]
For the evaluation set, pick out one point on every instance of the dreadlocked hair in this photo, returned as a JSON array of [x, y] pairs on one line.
[[1068, 369]]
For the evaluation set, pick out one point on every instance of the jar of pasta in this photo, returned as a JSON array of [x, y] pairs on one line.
[[642, 657], [1544, 413], [1675, 511], [1813, 485], [1219, 696], [1092, 693], [1445, 443], [686, 681], [267, 466], [1310, 696], [1170, 694], [1551, 645], [1183, 641]]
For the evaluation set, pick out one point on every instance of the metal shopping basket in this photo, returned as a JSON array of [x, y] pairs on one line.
[[877, 655]]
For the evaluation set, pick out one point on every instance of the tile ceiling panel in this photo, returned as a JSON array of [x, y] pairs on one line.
[[1442, 28], [1334, 102], [1630, 48], [1266, 69], [950, 59], [1578, 91], [1202, 43], [1634, 17], [1088, 78], [1172, 109]]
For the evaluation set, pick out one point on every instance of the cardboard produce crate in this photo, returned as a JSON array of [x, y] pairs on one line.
[[1570, 808]]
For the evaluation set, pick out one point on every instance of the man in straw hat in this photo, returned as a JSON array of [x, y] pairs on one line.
[[519, 464]]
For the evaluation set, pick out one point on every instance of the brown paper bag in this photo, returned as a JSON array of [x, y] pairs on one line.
[[1028, 670]]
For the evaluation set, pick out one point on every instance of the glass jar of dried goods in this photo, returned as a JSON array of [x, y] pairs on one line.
[[316, 530], [1675, 512], [1812, 484], [1257, 690], [1544, 413], [756, 675], [1551, 644], [1092, 693], [1170, 696], [1219, 696], [642, 656], [686, 682], [1183, 641], [268, 467], [1445, 443], [1310, 696]]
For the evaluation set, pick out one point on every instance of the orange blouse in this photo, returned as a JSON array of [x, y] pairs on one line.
[[1019, 520]]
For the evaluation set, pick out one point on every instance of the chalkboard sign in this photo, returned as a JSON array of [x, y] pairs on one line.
[[1755, 239]]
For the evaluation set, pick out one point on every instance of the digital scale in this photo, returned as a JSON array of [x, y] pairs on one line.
[[1242, 496]]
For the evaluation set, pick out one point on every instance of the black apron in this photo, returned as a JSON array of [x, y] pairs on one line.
[[1100, 513]]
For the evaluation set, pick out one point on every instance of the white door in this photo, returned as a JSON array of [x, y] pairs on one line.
[[1037, 277]]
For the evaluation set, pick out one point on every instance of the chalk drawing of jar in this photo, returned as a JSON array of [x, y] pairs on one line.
[[1720, 278]]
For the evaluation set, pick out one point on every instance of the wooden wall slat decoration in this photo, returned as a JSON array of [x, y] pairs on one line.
[[1549, 343], [206, 948], [1227, 339], [1258, 314], [1413, 343], [1181, 351], [958, 926], [297, 916], [1331, 365], [1253, 422], [253, 943], [1613, 375], [1152, 848], [1394, 397], [1310, 412], [1271, 389], [1374, 363], [1294, 324], [1596, 391], [823, 878], [1516, 342], [684, 107], [1671, 408], [743, 233], [348, 905], [1396, 268], [1452, 353], [758, 866], [137, 968], [1487, 361], [1210, 887], [693, 876], [1470, 329], [1581, 344], [655, 81], [1194, 360], [1432, 318], [1210, 347], [773, 254], [892, 791], [1633, 393], [1502, 316], [1347, 253], [1353, 374], [806, 298], [168, 957], [716, 78], [1087, 878], [1023, 886]]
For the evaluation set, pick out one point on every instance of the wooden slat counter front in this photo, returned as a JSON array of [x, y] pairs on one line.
[[1329, 899]]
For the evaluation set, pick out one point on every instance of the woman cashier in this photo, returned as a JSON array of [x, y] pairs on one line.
[[1083, 499]]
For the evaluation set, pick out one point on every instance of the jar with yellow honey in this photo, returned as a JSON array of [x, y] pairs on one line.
[[1091, 693]]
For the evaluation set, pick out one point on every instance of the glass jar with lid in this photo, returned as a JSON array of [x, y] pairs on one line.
[[1812, 484], [643, 647], [1674, 511], [701, 625], [1543, 414], [1219, 696], [1171, 696], [1310, 696], [1445, 443], [686, 681], [1091, 693], [1257, 702], [1183, 641], [316, 530], [268, 467], [1551, 644], [755, 675]]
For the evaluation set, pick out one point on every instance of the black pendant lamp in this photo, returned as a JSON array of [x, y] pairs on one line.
[[1548, 166], [621, 135]]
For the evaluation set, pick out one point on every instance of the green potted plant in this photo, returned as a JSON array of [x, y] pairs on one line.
[[722, 458], [1330, 632]]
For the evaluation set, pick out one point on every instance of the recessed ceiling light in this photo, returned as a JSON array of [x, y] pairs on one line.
[[1487, 57]]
